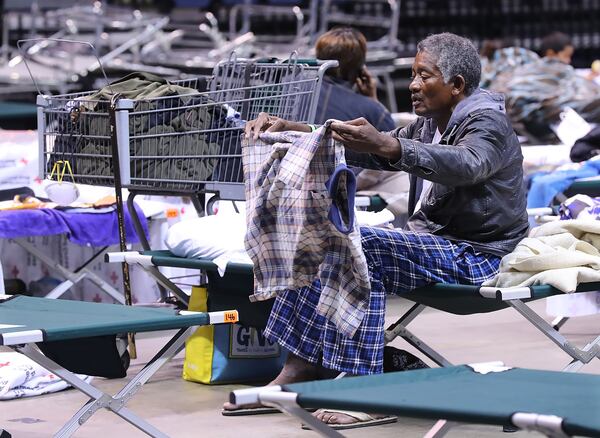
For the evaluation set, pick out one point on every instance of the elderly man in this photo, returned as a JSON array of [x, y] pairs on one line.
[[466, 194]]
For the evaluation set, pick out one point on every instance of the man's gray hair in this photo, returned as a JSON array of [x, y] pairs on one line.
[[454, 56]]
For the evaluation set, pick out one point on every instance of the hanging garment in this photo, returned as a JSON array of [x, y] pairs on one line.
[[300, 216]]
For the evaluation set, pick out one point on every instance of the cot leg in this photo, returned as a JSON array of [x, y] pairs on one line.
[[440, 429], [72, 277], [399, 329], [174, 346], [116, 404], [559, 321], [580, 356], [576, 365], [106, 402], [167, 284]]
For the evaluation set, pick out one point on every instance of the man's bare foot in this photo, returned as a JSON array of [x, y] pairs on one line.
[[295, 370]]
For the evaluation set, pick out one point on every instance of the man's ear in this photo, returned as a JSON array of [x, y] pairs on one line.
[[458, 85]]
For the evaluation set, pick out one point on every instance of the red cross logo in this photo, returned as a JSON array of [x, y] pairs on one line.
[[114, 277]]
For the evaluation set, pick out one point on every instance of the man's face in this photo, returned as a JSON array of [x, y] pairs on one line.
[[431, 96]]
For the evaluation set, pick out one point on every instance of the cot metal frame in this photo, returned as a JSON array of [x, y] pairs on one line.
[[514, 298], [99, 399], [72, 277]]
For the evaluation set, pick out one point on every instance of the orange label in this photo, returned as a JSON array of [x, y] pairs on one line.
[[231, 316], [171, 213]]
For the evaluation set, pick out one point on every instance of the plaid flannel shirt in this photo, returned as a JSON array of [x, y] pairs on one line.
[[290, 239]]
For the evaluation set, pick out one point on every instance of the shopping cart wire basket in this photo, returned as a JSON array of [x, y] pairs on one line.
[[183, 142]]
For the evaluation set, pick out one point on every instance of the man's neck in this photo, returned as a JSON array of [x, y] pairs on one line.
[[442, 120]]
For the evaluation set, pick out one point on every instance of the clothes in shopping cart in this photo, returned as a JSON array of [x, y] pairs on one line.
[[170, 128], [300, 216]]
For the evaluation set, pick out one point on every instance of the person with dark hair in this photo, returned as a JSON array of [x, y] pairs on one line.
[[557, 45], [349, 91], [467, 204]]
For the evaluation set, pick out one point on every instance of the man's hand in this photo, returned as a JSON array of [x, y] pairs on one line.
[[265, 122], [366, 84], [360, 136]]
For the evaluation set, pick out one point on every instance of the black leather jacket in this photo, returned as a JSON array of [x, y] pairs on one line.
[[477, 195]]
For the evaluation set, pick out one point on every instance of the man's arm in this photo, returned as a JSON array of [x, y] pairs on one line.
[[370, 159], [477, 156]]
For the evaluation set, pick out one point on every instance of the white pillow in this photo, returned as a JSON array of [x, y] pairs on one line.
[[208, 236]]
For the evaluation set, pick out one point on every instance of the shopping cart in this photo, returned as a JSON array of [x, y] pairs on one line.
[[185, 144]]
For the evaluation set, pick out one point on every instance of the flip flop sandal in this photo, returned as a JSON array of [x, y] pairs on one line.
[[262, 410], [240, 412], [363, 420]]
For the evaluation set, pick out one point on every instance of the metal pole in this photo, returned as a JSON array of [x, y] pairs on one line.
[[120, 213]]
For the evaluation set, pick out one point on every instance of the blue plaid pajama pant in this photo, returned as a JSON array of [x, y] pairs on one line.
[[399, 261]]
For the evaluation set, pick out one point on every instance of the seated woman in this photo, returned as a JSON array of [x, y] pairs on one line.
[[349, 91]]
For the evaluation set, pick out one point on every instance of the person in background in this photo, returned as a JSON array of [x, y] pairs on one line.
[[558, 46], [538, 87], [349, 91]]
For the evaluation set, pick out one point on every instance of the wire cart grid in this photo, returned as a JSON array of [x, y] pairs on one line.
[[184, 141]]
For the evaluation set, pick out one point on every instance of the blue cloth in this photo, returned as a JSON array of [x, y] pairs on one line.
[[399, 261], [95, 229], [545, 187], [341, 186], [337, 100]]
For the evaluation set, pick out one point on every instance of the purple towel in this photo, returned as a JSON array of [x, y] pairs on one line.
[[95, 229]]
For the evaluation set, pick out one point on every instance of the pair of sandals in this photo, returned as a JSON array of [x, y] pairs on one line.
[[362, 419]]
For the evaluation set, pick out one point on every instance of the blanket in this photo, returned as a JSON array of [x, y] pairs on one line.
[[561, 254]]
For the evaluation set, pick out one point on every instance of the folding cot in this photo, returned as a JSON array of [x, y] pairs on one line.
[[554, 403], [81, 227], [452, 298], [59, 324]]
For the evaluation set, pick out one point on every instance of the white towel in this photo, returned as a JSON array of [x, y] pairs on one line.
[[22, 377]]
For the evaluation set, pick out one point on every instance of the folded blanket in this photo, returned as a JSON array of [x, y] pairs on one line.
[[561, 254]]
